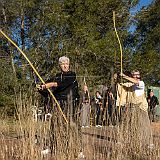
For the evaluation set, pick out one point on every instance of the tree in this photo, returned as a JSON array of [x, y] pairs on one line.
[[147, 39], [90, 36], [80, 29], [6, 82]]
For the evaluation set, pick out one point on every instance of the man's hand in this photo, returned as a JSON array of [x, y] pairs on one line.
[[41, 87], [122, 75], [115, 76]]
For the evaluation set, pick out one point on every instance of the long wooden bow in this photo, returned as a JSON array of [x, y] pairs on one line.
[[59, 108]]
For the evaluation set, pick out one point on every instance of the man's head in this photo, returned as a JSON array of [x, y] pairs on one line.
[[64, 63], [151, 93], [85, 88], [98, 93], [136, 74]]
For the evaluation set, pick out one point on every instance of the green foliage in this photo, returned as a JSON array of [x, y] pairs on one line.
[[82, 30], [147, 39], [6, 83]]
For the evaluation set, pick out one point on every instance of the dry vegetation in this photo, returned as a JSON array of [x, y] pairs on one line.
[[23, 138]]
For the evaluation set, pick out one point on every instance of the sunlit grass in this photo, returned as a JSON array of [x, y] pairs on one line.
[[23, 138]]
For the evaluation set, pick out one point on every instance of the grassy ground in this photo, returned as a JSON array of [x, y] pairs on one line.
[[25, 139]]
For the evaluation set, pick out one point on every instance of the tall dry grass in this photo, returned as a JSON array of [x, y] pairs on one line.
[[23, 138]]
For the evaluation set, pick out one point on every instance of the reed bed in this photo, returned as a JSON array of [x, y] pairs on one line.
[[26, 138]]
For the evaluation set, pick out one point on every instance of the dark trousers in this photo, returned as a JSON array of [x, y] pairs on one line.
[[70, 109], [152, 114], [98, 115]]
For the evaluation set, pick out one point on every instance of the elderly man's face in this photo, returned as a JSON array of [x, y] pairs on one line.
[[64, 66], [151, 93], [136, 75]]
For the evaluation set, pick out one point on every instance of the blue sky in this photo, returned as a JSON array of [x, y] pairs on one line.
[[133, 11], [142, 3], [145, 2]]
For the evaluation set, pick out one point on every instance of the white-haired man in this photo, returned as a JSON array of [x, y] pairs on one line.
[[65, 89], [64, 86]]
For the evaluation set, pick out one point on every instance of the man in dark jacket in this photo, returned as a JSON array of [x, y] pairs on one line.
[[152, 102], [64, 86]]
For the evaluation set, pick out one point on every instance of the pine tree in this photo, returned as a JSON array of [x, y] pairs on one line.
[[147, 38]]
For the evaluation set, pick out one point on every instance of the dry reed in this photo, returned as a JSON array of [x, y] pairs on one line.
[[25, 138]]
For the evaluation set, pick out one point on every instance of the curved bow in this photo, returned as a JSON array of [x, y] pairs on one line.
[[59, 108]]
